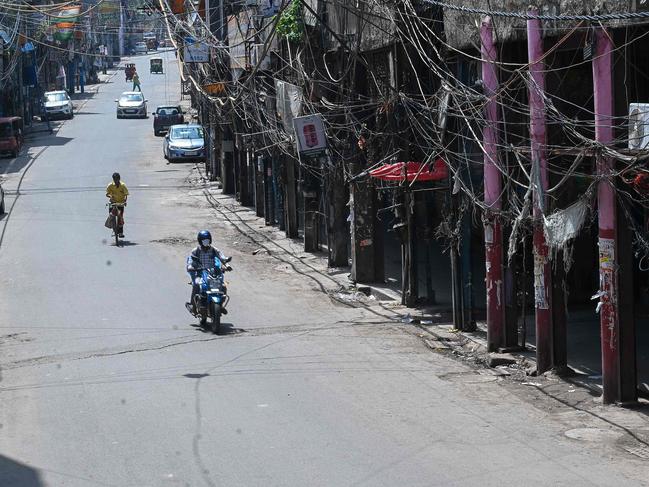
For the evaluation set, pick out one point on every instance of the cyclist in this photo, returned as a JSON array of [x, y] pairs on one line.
[[118, 193]]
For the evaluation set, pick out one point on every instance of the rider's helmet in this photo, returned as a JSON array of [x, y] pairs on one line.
[[116, 176], [204, 238]]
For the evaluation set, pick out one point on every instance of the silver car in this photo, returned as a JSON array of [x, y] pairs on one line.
[[184, 142], [57, 104], [131, 104]]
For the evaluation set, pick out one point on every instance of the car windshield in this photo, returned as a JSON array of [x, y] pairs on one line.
[[167, 111], [132, 97], [187, 133], [55, 97], [6, 130]]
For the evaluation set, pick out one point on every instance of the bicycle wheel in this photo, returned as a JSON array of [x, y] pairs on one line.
[[115, 229]]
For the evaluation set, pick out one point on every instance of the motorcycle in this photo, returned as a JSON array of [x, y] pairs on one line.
[[212, 298]]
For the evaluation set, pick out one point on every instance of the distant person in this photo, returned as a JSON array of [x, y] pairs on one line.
[[136, 81]]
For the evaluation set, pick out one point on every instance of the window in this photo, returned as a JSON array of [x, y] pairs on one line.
[[187, 133], [56, 97], [132, 97]]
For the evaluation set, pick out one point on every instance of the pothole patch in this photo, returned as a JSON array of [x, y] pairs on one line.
[[598, 435], [174, 241]]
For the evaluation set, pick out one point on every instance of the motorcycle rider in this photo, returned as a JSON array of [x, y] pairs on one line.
[[202, 257]]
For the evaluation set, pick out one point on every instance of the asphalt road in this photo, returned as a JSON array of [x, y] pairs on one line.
[[106, 381]]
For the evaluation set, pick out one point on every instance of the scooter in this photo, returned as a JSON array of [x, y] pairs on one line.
[[212, 298]]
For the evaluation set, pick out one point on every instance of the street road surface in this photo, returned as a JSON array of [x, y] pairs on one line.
[[106, 381]]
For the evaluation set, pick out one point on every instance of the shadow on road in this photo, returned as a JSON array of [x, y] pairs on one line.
[[83, 96], [49, 141], [14, 474], [127, 243], [226, 329]]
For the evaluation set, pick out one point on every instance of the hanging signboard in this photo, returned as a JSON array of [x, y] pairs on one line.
[[65, 21], [310, 134], [215, 89], [196, 52]]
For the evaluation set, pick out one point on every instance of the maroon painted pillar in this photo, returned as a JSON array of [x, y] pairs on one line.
[[542, 270], [492, 194], [606, 209]]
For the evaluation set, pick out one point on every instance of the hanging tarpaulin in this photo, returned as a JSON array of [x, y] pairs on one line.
[[289, 103], [412, 171], [65, 21]]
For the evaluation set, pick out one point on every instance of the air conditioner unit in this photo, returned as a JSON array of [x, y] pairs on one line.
[[639, 126], [256, 52]]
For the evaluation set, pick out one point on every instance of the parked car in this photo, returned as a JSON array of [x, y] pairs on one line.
[[57, 104], [131, 104], [11, 135], [141, 48], [2, 201], [184, 142], [165, 116]]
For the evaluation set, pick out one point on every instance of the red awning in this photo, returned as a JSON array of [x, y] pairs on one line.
[[412, 170]]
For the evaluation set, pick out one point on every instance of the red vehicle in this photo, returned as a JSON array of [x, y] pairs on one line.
[[11, 135], [129, 70]]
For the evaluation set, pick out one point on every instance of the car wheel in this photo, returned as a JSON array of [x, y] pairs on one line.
[[2, 206], [71, 116]]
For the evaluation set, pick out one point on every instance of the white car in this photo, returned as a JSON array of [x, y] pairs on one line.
[[131, 104], [141, 48], [184, 142], [57, 104]]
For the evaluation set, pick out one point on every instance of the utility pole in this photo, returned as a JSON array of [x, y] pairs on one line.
[[492, 193], [607, 217], [121, 29], [539, 174]]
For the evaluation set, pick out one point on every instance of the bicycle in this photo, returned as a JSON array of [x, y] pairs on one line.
[[116, 219]]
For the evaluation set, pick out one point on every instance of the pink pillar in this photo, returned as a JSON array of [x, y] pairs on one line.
[[492, 191], [542, 271], [606, 204]]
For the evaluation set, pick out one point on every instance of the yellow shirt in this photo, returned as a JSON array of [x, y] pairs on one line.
[[117, 194]]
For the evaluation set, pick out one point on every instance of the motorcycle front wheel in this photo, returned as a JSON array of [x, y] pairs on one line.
[[216, 319]]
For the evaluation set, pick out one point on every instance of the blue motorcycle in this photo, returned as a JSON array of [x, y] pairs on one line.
[[212, 296]]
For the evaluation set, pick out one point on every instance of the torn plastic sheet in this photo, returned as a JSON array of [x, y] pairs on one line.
[[562, 226]]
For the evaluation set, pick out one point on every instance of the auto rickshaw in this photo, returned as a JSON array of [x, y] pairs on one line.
[[156, 65], [129, 70], [11, 135]]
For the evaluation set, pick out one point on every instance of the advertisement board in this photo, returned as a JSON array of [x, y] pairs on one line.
[[310, 134], [196, 52]]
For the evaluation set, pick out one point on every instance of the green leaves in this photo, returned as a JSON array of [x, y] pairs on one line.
[[291, 23]]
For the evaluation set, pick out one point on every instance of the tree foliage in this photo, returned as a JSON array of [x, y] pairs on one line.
[[291, 23]]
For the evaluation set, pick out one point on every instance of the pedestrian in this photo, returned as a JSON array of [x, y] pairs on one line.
[[136, 81]]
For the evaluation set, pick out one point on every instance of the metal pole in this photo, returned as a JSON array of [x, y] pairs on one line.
[[542, 270], [492, 192], [606, 204]]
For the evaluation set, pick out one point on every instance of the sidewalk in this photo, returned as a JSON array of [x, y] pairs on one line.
[[432, 324]]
